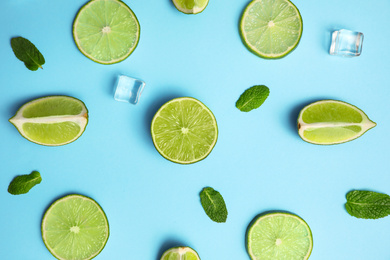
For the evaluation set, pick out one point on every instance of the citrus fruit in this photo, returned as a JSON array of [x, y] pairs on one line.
[[332, 122], [184, 130], [52, 120], [106, 31], [190, 6], [180, 253], [271, 29], [75, 227], [279, 236]]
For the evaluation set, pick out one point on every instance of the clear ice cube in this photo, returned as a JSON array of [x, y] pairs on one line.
[[346, 43], [128, 89]]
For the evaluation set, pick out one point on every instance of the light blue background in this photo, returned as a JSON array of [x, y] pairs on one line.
[[259, 162]]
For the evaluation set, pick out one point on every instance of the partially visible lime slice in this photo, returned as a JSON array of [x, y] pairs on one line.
[[75, 227], [271, 29], [279, 236], [106, 31], [190, 6], [184, 130], [180, 253], [332, 122], [52, 120]]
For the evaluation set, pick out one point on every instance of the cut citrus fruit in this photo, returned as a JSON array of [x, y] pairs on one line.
[[190, 6], [106, 31], [75, 227], [52, 120], [184, 130], [279, 236], [332, 122], [180, 253], [271, 29]]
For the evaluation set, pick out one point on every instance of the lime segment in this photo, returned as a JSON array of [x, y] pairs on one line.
[[271, 28], [180, 253], [75, 227], [190, 6], [279, 236]]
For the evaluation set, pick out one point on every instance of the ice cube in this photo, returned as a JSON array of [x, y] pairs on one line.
[[346, 43], [128, 89]]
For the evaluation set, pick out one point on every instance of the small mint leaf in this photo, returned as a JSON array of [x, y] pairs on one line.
[[367, 204], [23, 183], [25, 51], [213, 204], [252, 98]]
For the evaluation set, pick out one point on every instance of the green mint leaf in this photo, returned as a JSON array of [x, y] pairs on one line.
[[367, 204], [213, 204], [23, 183], [252, 98], [25, 51]]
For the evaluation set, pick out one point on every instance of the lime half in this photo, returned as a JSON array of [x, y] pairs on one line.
[[52, 120], [184, 130], [271, 29], [75, 227], [180, 253], [332, 122], [190, 6], [279, 236], [106, 31]]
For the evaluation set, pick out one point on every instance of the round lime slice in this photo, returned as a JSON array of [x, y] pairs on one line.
[[106, 31], [52, 120], [75, 227], [271, 29], [184, 130], [279, 236], [332, 122], [190, 6], [180, 253]]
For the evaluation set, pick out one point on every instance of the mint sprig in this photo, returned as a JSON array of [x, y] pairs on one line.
[[367, 204], [25, 51], [23, 183], [213, 204], [252, 98]]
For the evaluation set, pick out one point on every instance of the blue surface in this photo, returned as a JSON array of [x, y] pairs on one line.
[[259, 162]]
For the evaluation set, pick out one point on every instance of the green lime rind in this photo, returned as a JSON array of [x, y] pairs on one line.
[[18, 119], [211, 117], [131, 49], [177, 252], [252, 48], [354, 120], [253, 225], [47, 213], [197, 10]]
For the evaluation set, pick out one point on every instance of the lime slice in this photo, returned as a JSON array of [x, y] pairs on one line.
[[271, 29], [106, 31], [180, 253], [190, 6], [279, 236], [184, 130], [332, 122], [75, 227], [52, 120]]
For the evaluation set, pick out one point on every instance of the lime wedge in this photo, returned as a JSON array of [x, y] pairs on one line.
[[184, 130], [180, 253], [190, 6], [332, 122], [271, 29], [106, 31], [75, 227], [279, 236], [52, 120]]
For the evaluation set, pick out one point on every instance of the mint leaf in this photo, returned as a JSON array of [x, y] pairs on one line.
[[25, 51], [23, 183], [252, 98], [213, 204], [367, 204]]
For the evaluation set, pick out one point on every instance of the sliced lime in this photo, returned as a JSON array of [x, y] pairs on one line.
[[190, 6], [106, 31], [184, 130], [52, 120], [180, 253], [271, 29], [279, 236], [75, 227], [332, 122]]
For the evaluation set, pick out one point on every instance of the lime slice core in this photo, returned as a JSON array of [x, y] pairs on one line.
[[180, 253], [190, 6]]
